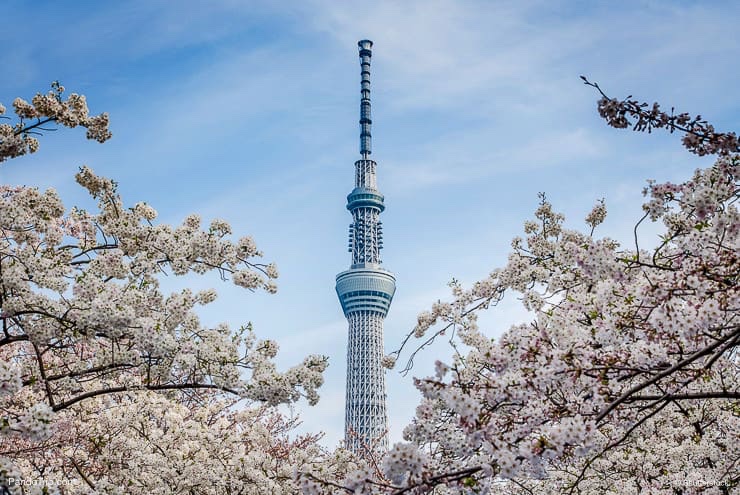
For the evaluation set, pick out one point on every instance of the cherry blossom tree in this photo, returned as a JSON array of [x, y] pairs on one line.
[[107, 384], [626, 380]]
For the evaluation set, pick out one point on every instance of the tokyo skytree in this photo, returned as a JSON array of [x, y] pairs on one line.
[[365, 292]]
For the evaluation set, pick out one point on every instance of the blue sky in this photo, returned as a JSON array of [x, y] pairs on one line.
[[247, 111]]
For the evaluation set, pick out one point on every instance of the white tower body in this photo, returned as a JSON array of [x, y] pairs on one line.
[[365, 292]]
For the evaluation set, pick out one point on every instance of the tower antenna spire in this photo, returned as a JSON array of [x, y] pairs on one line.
[[365, 292], [366, 122]]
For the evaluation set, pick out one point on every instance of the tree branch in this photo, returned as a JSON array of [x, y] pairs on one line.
[[707, 350], [113, 390]]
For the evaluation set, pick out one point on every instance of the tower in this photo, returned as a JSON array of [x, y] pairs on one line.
[[365, 292]]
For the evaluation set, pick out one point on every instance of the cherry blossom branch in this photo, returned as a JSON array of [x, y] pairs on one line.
[[113, 390], [82, 474], [694, 396], [76, 374], [700, 136], [9, 339], [442, 478], [38, 124], [17, 140], [482, 303], [329, 483], [614, 444], [42, 372], [723, 344]]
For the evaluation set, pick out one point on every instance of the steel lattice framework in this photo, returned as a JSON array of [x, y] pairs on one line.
[[365, 291]]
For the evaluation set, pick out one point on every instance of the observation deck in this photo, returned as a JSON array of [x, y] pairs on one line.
[[366, 287], [365, 197]]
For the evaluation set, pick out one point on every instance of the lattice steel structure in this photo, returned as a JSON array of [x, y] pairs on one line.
[[365, 291]]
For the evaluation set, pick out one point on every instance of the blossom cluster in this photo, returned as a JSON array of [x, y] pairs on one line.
[[45, 109], [10, 379]]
